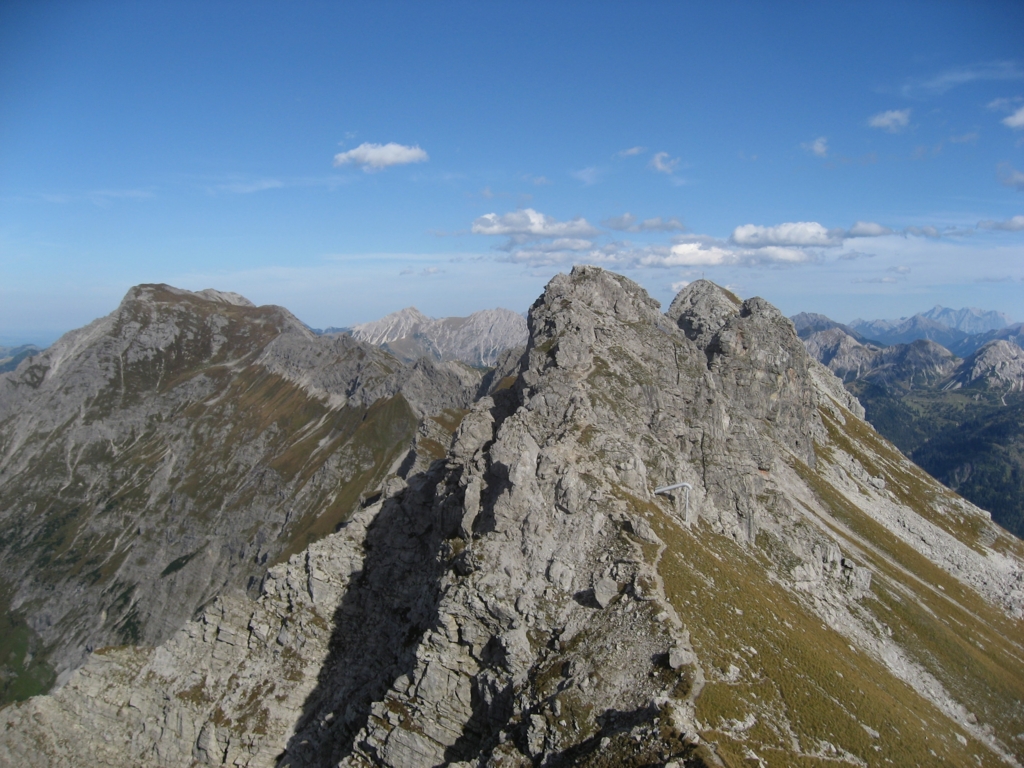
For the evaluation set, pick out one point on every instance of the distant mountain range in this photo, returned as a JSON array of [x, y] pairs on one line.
[[11, 356], [477, 340], [959, 330], [957, 409]]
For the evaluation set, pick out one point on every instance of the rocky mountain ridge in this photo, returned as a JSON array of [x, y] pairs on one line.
[[172, 451], [967, 321], [477, 339], [529, 600]]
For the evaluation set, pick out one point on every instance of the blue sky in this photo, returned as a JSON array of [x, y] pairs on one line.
[[345, 160]]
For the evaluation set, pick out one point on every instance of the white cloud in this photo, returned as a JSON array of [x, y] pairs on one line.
[[627, 222], [691, 255], [818, 147], [1011, 177], [868, 229], [966, 138], [1015, 224], [899, 270], [663, 163], [531, 223], [799, 233], [886, 280], [587, 175], [704, 252], [632, 151], [377, 157], [677, 287], [1004, 105], [995, 70], [1016, 120], [778, 255], [893, 121]]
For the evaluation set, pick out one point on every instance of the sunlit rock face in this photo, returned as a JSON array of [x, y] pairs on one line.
[[174, 449], [527, 599]]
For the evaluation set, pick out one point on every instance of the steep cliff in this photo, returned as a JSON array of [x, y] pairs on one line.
[[813, 598]]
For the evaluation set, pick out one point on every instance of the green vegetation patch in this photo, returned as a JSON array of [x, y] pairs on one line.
[[379, 435], [24, 671]]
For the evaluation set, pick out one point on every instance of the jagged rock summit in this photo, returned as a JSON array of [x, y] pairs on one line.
[[172, 451], [813, 598]]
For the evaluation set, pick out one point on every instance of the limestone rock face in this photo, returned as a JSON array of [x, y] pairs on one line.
[[172, 450], [841, 353], [530, 601], [477, 340], [997, 365]]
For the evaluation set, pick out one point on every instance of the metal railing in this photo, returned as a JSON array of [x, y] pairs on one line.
[[687, 487]]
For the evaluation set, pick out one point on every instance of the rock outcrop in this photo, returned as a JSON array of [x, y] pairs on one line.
[[998, 365], [529, 600], [174, 449]]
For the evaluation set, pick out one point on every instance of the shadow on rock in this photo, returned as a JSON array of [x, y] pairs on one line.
[[377, 626]]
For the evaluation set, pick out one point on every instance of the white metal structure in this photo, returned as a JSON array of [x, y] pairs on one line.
[[687, 487]]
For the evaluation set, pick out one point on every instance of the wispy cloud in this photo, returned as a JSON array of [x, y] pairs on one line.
[[589, 176], [1014, 224], [632, 152], [818, 147], [867, 229], [1004, 104], [376, 157], [662, 162], [966, 138], [951, 78], [627, 222], [1011, 177], [248, 187], [540, 181], [100, 197], [883, 280], [893, 120]]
